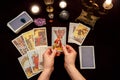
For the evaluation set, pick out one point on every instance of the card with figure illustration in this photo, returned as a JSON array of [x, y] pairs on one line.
[[58, 37], [40, 37], [33, 56], [29, 39], [87, 57], [41, 50], [77, 33], [24, 62], [20, 44]]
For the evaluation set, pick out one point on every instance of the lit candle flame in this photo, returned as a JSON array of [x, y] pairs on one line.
[[108, 2], [63, 4]]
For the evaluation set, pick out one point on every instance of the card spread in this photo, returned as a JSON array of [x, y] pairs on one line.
[[33, 44]]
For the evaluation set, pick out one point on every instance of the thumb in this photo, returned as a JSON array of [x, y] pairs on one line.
[[64, 49], [54, 52]]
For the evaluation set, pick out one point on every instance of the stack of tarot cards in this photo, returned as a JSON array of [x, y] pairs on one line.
[[31, 45], [20, 22]]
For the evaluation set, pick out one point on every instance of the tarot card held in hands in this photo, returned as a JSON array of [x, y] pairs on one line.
[[34, 60], [29, 39], [20, 44], [77, 33], [58, 37], [24, 61], [40, 37]]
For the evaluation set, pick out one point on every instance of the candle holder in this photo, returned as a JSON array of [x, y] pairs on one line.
[[49, 4], [49, 9], [91, 12]]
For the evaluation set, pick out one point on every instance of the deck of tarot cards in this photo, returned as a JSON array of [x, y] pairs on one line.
[[20, 22]]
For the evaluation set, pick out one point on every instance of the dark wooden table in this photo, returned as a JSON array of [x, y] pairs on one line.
[[104, 37]]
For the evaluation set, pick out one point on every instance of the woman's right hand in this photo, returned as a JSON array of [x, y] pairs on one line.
[[70, 55]]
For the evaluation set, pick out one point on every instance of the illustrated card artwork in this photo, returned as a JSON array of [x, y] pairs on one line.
[[58, 37], [87, 57], [40, 37], [34, 60], [24, 61], [20, 44], [41, 50], [29, 39], [77, 33], [20, 22]]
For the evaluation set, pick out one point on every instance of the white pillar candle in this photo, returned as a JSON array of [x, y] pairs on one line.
[[35, 9], [108, 4], [62, 4]]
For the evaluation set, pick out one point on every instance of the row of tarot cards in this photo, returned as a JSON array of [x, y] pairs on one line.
[[33, 43]]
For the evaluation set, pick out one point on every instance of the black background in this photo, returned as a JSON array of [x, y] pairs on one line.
[[104, 37]]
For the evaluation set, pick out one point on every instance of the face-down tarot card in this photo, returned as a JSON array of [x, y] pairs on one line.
[[87, 57]]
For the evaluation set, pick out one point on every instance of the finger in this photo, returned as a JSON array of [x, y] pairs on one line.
[[58, 54], [48, 51], [54, 52], [64, 49], [70, 48]]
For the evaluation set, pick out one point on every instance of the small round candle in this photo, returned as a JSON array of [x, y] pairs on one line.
[[35, 9], [63, 4]]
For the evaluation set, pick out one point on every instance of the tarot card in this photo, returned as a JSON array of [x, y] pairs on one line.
[[40, 37], [20, 22], [24, 61], [29, 39], [58, 37], [41, 50], [34, 60], [20, 44], [87, 57], [77, 33]]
